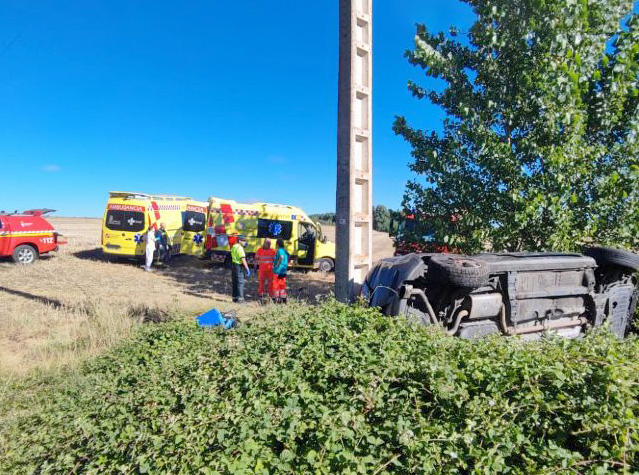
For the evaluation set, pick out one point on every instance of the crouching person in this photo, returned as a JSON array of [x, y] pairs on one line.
[[280, 268]]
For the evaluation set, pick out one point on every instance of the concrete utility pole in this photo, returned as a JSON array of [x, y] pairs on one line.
[[354, 148]]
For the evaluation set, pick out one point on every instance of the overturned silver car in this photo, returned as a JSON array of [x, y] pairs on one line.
[[524, 294]]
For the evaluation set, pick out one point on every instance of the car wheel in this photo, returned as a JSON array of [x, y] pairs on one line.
[[412, 314], [458, 271], [607, 256], [326, 264], [24, 255]]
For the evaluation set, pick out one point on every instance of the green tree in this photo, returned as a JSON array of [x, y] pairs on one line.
[[381, 218], [539, 148]]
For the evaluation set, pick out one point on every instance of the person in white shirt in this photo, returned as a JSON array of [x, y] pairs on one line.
[[150, 248]]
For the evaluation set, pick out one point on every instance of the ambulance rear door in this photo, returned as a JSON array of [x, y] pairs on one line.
[[193, 230], [124, 227]]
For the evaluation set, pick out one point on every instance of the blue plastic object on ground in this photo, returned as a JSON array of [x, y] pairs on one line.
[[215, 318]]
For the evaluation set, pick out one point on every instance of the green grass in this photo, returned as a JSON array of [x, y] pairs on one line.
[[329, 389]]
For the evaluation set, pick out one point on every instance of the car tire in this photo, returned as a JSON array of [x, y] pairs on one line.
[[24, 255], [608, 256], [412, 314], [326, 264], [458, 271]]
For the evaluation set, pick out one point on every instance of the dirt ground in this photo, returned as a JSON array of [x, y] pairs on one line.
[[78, 301]]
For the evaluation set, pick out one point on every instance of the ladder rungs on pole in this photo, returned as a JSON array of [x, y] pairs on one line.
[[360, 261], [364, 133], [363, 17], [363, 47], [361, 218], [361, 177], [362, 92]]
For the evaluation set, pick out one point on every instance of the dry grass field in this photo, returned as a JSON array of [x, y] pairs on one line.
[[77, 303]]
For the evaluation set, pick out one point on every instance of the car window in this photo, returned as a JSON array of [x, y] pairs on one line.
[[117, 220], [274, 229], [193, 221]]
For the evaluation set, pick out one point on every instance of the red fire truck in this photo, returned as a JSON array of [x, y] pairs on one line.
[[26, 236]]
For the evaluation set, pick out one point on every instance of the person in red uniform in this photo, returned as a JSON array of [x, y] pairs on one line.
[[264, 259]]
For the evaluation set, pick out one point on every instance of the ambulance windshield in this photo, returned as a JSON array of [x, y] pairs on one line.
[[117, 220]]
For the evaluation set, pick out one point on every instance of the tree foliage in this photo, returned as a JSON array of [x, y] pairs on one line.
[[539, 148], [381, 218], [324, 218]]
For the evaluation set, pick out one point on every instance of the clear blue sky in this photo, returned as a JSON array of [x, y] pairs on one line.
[[199, 98]]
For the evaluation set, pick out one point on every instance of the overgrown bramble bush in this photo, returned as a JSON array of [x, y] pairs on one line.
[[336, 389]]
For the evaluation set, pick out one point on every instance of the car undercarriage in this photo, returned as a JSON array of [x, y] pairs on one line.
[[527, 294]]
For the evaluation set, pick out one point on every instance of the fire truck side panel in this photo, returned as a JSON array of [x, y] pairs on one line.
[[25, 229]]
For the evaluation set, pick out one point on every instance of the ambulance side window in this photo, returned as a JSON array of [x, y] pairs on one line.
[[193, 221], [274, 229]]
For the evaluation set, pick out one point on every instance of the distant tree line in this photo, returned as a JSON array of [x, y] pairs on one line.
[[324, 218], [382, 218]]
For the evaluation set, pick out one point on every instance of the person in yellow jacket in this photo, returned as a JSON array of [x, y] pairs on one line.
[[239, 266]]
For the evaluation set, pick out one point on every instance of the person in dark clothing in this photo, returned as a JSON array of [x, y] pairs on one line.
[[240, 267], [164, 244]]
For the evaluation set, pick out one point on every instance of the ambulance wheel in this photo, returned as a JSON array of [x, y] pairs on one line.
[[326, 264], [24, 255]]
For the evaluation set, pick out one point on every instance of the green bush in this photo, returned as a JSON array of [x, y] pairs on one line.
[[335, 389]]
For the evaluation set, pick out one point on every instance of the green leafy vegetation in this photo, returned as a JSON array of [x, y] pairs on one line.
[[330, 389], [539, 145]]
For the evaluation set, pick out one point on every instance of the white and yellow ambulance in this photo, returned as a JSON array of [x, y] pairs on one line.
[[129, 215], [228, 219]]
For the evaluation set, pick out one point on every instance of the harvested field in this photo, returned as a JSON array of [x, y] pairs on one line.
[[77, 302]]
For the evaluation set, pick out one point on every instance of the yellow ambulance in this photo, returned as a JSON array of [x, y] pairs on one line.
[[129, 215], [193, 232], [305, 244]]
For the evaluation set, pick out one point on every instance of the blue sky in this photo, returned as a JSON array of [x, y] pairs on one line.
[[198, 98]]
